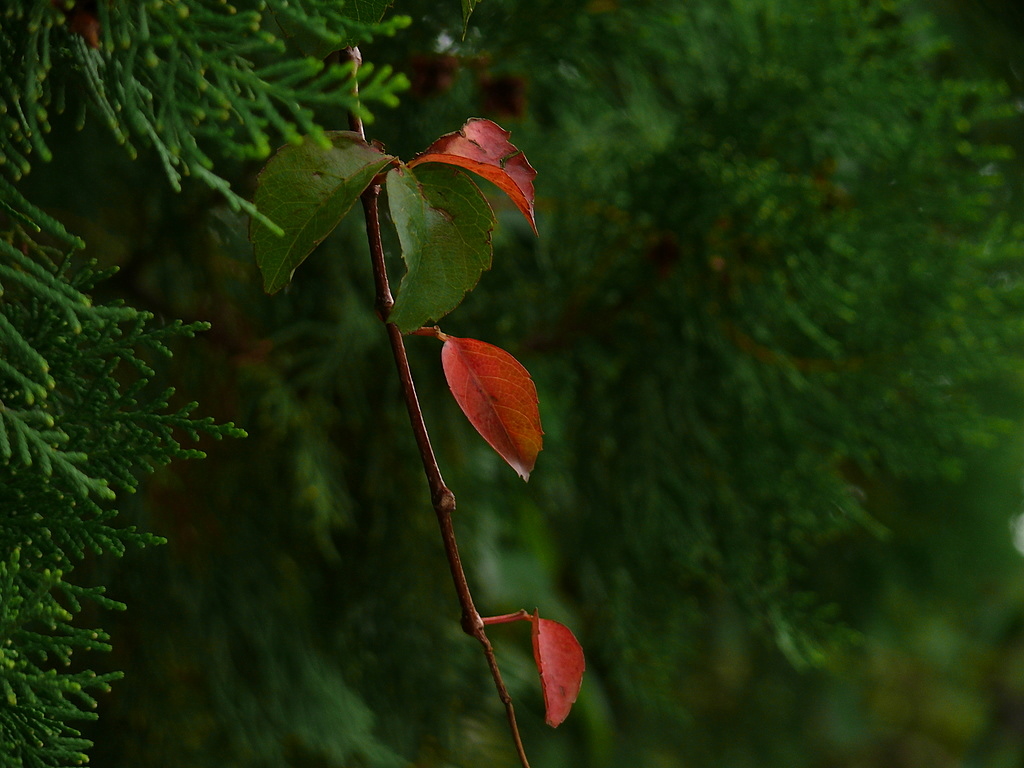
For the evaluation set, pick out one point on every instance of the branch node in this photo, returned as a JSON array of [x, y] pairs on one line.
[[473, 625], [444, 501]]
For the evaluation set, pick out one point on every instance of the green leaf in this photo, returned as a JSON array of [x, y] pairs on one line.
[[444, 226], [306, 190]]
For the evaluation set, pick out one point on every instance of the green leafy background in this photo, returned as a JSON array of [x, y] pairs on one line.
[[774, 317]]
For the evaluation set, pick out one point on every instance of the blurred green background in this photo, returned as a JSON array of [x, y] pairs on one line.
[[775, 318]]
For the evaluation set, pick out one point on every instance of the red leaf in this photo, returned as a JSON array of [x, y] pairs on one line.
[[498, 397], [560, 662], [482, 147]]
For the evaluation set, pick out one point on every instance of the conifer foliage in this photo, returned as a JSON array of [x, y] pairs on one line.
[[79, 420], [760, 283], [174, 75], [78, 426]]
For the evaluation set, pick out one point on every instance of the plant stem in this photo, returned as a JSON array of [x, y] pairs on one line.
[[442, 498], [505, 618]]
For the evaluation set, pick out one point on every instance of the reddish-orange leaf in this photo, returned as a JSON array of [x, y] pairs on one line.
[[498, 397], [483, 147], [560, 662]]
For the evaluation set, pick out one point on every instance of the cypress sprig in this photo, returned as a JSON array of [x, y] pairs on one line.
[[79, 422], [80, 417], [173, 76]]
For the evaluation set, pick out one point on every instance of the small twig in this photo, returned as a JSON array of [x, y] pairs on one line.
[[442, 498], [432, 331], [384, 301], [521, 615]]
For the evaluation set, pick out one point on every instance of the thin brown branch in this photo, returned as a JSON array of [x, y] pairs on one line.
[[384, 301], [444, 505], [441, 496], [369, 199]]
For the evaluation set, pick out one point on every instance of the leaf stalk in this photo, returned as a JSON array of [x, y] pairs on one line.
[[521, 615]]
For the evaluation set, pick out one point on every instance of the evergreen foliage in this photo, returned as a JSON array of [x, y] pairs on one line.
[[774, 292], [175, 76], [78, 424], [807, 233], [78, 419]]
